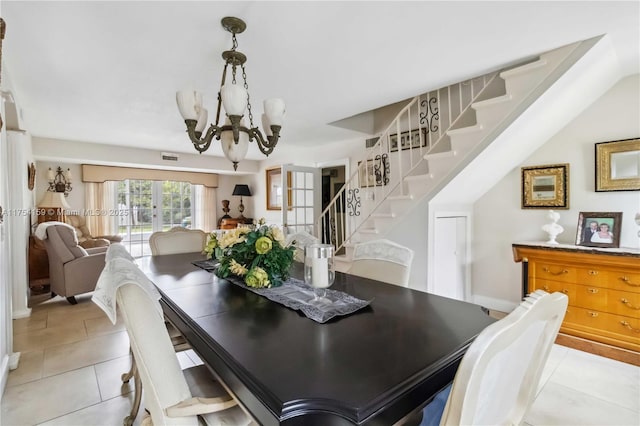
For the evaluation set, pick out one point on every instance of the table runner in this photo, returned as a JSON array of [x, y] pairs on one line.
[[295, 294]]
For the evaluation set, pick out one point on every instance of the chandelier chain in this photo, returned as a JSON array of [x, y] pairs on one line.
[[246, 86]]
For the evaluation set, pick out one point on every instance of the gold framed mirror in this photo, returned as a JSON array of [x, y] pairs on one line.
[[618, 165]]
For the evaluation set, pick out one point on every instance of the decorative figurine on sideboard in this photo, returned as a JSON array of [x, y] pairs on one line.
[[553, 229]]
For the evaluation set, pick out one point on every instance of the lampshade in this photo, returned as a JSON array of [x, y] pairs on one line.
[[235, 152], [54, 200], [234, 99], [187, 101], [242, 190]]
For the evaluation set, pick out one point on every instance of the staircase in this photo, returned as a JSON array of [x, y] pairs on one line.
[[433, 138]]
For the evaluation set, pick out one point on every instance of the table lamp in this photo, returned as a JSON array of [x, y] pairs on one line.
[[52, 207], [241, 190]]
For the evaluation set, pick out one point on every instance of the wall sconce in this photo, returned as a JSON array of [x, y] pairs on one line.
[[241, 190], [60, 181]]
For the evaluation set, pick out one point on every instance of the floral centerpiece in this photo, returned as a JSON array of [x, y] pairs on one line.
[[258, 256]]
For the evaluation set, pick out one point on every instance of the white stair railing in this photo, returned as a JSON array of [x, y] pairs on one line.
[[398, 153]]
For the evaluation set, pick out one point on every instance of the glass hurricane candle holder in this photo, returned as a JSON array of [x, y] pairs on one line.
[[319, 270]]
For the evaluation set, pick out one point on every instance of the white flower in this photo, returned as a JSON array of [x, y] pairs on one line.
[[276, 234]]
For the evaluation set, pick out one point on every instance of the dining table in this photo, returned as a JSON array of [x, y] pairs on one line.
[[374, 366]]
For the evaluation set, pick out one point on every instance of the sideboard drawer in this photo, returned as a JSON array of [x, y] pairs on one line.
[[591, 297], [624, 303], [556, 272], [625, 281], [609, 325], [552, 286]]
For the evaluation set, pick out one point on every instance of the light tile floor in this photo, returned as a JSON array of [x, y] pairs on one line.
[[72, 358]]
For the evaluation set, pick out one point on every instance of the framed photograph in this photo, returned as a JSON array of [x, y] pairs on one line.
[[374, 172], [545, 186], [408, 139], [274, 188], [599, 229], [618, 165]]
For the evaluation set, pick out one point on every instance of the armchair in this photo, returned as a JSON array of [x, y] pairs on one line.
[[79, 223], [72, 268]]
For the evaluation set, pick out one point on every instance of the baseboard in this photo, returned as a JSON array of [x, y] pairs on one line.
[[597, 348], [14, 360], [5, 374], [23, 313], [495, 304]]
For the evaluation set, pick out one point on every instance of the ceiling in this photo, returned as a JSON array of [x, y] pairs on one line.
[[107, 72]]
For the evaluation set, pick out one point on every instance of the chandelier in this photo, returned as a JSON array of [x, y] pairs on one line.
[[233, 134]]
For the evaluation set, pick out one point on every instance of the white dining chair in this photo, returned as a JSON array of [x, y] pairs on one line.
[[300, 240], [382, 260], [177, 240], [498, 377], [168, 395]]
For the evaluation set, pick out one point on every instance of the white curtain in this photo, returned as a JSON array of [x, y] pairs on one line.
[[100, 203], [205, 208]]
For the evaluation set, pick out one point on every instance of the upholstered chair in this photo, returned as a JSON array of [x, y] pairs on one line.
[[302, 239], [498, 377], [382, 260], [85, 239], [169, 391], [177, 240], [72, 269]]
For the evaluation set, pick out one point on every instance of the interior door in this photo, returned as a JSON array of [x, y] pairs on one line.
[[450, 261], [302, 198]]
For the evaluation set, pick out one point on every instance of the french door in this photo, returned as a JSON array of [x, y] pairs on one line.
[[301, 206], [152, 206]]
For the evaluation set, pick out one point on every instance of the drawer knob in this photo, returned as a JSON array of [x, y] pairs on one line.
[[592, 272], [627, 281], [626, 324], [547, 270], [592, 314], [629, 304], [593, 290]]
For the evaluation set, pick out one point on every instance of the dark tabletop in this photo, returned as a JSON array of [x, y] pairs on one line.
[[371, 367]]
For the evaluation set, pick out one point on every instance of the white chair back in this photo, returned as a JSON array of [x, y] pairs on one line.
[[498, 377], [177, 240], [301, 239], [162, 379], [382, 260]]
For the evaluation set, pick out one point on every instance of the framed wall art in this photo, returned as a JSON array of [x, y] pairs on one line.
[[274, 188], [599, 229], [545, 186], [408, 139], [374, 172], [618, 165]]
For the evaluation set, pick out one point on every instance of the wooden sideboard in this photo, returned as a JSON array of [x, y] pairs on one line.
[[603, 286]]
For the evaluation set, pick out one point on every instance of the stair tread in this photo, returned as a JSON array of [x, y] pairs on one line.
[[523, 69], [426, 176], [383, 215], [491, 102], [368, 231], [400, 197], [468, 129], [435, 155]]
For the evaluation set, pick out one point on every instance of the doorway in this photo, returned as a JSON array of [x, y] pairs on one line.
[[152, 206], [450, 265], [333, 179]]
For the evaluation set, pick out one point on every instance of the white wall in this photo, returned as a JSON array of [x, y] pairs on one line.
[[499, 221]]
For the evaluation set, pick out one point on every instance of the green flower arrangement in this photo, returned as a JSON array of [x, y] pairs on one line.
[[258, 256]]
